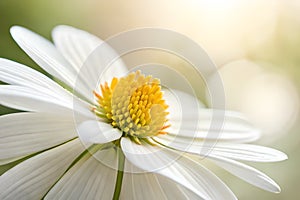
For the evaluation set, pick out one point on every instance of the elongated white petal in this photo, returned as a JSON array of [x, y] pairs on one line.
[[177, 100], [173, 190], [88, 179], [246, 152], [248, 174], [214, 124], [189, 119], [27, 99], [97, 132], [180, 107], [141, 186], [188, 194], [26, 133], [18, 74], [150, 186], [90, 57], [9, 160], [76, 45], [176, 167], [32, 178], [44, 53]]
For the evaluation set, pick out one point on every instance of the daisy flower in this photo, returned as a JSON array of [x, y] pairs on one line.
[[124, 139]]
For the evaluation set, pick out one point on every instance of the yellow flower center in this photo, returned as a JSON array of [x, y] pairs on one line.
[[134, 104]]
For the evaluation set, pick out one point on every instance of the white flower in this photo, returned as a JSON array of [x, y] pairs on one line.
[[131, 112]]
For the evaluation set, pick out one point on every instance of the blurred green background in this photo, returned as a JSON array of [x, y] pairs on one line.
[[255, 44]]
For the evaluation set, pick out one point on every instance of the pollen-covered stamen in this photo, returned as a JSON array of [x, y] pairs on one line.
[[104, 100], [134, 104]]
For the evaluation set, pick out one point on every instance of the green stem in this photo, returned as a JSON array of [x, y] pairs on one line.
[[121, 164]]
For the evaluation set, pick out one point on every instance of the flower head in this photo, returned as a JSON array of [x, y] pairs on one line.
[[135, 105], [124, 127]]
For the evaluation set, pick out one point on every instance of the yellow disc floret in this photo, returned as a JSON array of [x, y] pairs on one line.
[[134, 104]]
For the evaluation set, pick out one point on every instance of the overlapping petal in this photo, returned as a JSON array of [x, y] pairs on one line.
[[248, 174], [26, 99], [177, 168], [17, 74], [26, 133], [246, 152], [33, 90], [87, 179], [189, 119], [151, 186], [90, 57], [44, 53], [32, 178], [97, 132]]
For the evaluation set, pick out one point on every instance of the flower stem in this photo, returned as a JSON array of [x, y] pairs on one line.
[[121, 164]]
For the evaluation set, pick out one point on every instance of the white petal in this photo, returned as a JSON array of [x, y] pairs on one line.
[[76, 45], [180, 105], [97, 132], [246, 152], [188, 194], [217, 125], [150, 186], [189, 119], [44, 53], [88, 179], [9, 160], [22, 134], [27, 99], [32, 178], [18, 74], [173, 190], [89, 56], [141, 186], [176, 167], [248, 174]]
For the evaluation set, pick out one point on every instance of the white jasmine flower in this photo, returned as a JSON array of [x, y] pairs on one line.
[[132, 111]]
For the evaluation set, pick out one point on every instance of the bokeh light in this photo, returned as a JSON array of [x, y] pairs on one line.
[[268, 99]]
